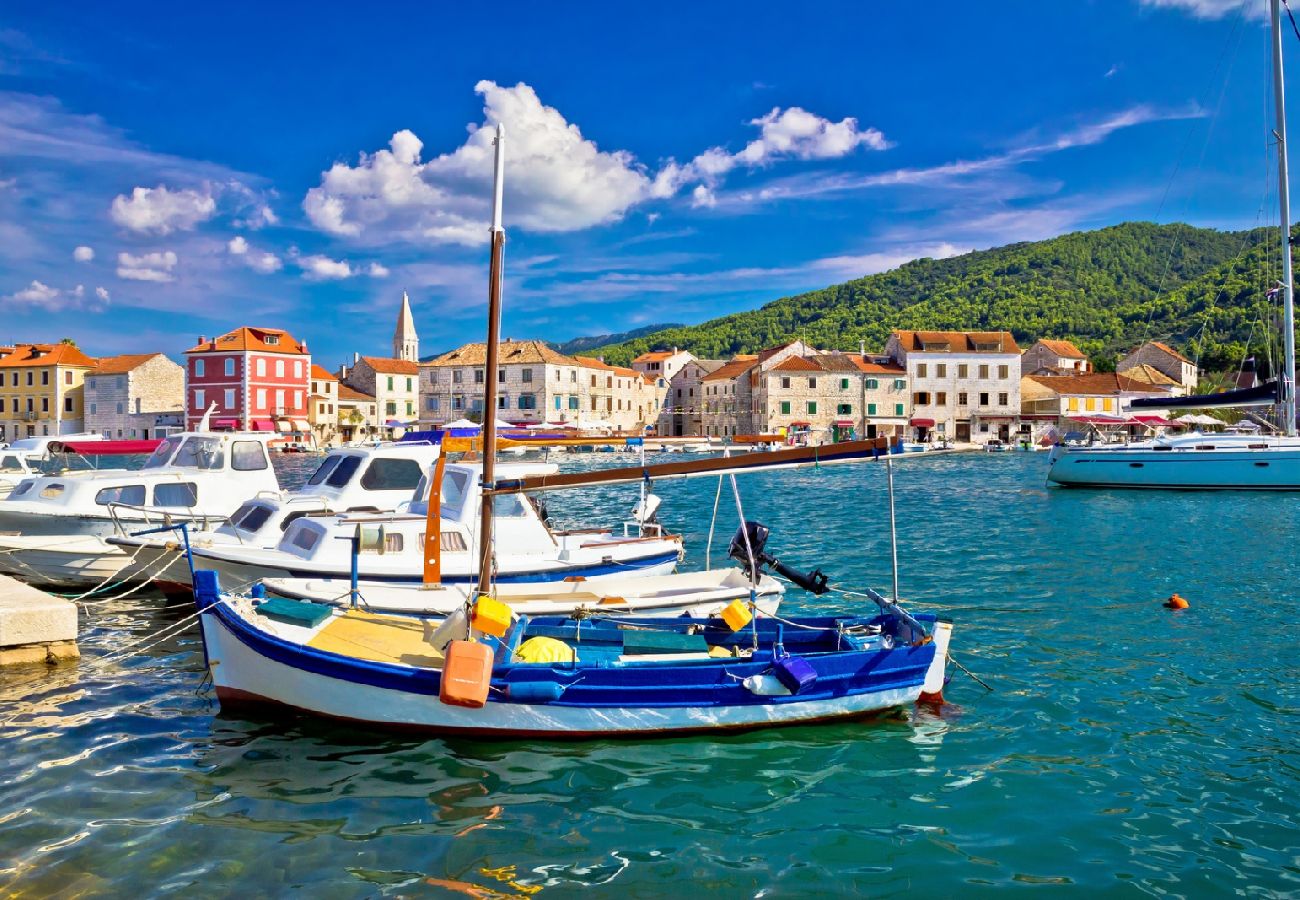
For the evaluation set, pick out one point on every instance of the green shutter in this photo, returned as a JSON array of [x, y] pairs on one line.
[[785, 407], [871, 409], [812, 408], [898, 409]]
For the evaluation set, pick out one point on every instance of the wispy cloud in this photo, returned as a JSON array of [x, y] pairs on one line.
[[1211, 9]]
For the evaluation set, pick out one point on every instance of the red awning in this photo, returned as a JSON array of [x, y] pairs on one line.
[[845, 423], [1098, 420], [922, 423], [1155, 421], [225, 423], [801, 424], [261, 425], [105, 448]]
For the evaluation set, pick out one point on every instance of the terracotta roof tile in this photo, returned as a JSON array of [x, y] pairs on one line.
[[119, 365], [349, 393], [958, 341], [508, 352], [1063, 348], [246, 338], [796, 364], [655, 356], [737, 366], [320, 373], [1150, 375], [875, 368], [25, 355], [1094, 383], [391, 366]]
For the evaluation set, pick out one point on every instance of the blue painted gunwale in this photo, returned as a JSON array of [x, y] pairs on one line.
[[695, 684]]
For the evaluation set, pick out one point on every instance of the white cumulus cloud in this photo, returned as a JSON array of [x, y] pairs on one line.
[[155, 266], [237, 246], [37, 293], [40, 294], [377, 270], [321, 268], [558, 180], [257, 260], [83, 254], [161, 210], [102, 293]]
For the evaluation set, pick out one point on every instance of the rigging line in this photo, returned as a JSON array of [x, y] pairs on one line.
[[1287, 7]]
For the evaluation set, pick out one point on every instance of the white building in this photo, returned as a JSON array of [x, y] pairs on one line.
[[965, 384]]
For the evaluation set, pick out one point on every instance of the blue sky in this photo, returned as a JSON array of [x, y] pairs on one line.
[[167, 172]]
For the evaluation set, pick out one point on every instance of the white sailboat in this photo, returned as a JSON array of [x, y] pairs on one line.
[[1220, 461]]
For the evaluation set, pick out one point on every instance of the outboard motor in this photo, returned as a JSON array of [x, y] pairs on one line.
[[814, 581]]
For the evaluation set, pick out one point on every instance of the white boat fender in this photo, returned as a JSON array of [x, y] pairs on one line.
[[765, 685]]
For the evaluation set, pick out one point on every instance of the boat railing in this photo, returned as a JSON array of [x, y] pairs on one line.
[[153, 515], [642, 530]]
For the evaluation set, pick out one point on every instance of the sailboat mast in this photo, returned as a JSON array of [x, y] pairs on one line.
[[490, 382], [1286, 383]]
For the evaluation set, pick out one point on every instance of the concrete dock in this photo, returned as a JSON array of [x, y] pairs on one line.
[[35, 627]]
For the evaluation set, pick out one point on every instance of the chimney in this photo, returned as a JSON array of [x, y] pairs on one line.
[[356, 358], [862, 348], [202, 340], [674, 351]]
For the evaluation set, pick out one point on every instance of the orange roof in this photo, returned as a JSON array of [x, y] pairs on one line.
[[592, 363], [391, 366], [1063, 348], [874, 368], [507, 352], [1172, 352], [796, 364], [45, 355], [348, 393], [119, 365], [244, 339], [655, 356], [957, 341], [1094, 383], [320, 373], [737, 366], [1150, 375]]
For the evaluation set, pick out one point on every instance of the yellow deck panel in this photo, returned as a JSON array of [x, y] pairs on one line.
[[390, 639]]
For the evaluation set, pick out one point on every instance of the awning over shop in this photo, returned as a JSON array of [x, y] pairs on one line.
[[801, 424], [225, 423], [301, 425], [1099, 420], [261, 425], [844, 423], [921, 423], [1154, 421]]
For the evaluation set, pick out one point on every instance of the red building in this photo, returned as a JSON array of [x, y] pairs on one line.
[[257, 377]]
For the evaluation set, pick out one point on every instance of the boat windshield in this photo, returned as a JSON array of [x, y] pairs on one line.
[[162, 453], [201, 453]]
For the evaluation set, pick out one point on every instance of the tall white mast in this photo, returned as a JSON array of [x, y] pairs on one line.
[[496, 264], [1286, 383]]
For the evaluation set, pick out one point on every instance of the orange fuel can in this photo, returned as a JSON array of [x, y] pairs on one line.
[[466, 674]]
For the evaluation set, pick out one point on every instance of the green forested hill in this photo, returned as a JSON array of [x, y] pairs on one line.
[[1107, 290]]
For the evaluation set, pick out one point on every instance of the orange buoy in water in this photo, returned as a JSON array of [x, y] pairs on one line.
[[1176, 602]]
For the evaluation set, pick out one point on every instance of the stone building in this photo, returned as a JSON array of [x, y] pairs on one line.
[[42, 390], [1164, 359], [534, 384], [394, 383], [135, 396], [965, 385], [683, 407], [358, 416], [1048, 357]]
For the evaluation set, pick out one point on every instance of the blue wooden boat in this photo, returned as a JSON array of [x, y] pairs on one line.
[[611, 676]]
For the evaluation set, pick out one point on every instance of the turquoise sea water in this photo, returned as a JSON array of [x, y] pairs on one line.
[[1125, 748]]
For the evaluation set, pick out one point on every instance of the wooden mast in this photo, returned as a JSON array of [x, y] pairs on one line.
[[490, 387]]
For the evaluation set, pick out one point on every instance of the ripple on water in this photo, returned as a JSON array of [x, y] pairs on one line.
[[1123, 745]]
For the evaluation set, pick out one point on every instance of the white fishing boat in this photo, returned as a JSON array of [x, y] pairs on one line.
[[372, 479], [52, 527], [1221, 461], [392, 546]]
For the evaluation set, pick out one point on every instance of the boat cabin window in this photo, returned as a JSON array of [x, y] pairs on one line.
[[180, 493], [162, 453], [508, 506], [344, 471], [201, 453], [247, 456], [49, 492], [391, 475], [305, 539], [455, 485], [24, 487], [393, 542], [11, 463], [250, 517], [323, 470], [130, 494]]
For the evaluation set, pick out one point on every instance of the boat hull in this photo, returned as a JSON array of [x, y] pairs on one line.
[[1255, 470], [50, 561]]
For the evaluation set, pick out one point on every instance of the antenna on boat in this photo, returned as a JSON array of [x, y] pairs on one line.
[[1286, 383], [893, 523], [498, 236]]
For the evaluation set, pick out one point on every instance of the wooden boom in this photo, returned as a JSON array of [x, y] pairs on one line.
[[848, 451]]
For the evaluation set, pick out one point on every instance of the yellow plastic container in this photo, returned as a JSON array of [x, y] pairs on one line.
[[736, 614], [490, 616]]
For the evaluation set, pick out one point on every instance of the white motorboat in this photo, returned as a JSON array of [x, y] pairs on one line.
[[52, 527], [374, 478], [393, 545], [1221, 461]]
